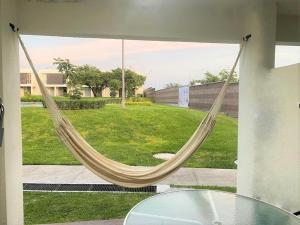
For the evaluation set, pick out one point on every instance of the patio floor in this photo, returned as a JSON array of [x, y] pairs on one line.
[[56, 174]]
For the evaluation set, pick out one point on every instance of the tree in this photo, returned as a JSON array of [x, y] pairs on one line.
[[92, 77], [224, 74], [209, 78], [70, 76], [114, 86], [212, 78], [193, 82], [133, 80], [169, 85]]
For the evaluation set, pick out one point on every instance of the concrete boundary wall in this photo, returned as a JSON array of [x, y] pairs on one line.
[[203, 96], [167, 96], [200, 97]]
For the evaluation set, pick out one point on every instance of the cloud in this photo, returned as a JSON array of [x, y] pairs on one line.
[[98, 49]]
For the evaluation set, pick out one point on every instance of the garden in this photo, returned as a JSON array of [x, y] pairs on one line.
[[131, 135]]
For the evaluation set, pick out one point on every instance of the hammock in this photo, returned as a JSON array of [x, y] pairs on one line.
[[115, 172]]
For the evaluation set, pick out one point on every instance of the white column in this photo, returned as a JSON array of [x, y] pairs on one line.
[[263, 172], [255, 65], [11, 196]]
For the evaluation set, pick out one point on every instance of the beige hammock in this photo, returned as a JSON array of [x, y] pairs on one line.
[[118, 173]]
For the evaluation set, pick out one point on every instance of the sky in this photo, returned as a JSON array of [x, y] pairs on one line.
[[161, 62]]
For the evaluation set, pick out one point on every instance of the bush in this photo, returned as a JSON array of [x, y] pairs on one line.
[[145, 103], [75, 93], [38, 98], [71, 104], [112, 100], [32, 98], [139, 99]]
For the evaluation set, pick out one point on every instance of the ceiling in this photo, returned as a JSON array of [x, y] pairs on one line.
[[289, 7]]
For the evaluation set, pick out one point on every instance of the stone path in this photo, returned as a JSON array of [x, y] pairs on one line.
[[52, 174]]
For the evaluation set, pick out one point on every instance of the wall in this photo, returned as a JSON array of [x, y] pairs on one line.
[[200, 97], [281, 158], [149, 93], [167, 96], [203, 96]]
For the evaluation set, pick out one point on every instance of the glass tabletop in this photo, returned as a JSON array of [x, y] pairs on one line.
[[204, 207]]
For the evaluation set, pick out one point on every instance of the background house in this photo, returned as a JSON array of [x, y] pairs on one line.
[[55, 84]]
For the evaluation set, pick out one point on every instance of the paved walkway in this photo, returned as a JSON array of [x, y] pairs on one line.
[[52, 174]]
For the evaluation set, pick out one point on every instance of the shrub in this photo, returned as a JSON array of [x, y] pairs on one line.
[[112, 100], [75, 93], [139, 99], [145, 103], [32, 98], [71, 104], [38, 98]]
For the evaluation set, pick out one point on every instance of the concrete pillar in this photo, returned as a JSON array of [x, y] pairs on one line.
[[255, 66], [263, 171], [11, 196]]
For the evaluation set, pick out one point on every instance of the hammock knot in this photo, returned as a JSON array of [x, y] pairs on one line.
[[13, 27], [247, 37]]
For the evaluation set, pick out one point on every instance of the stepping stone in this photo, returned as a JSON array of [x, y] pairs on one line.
[[163, 156]]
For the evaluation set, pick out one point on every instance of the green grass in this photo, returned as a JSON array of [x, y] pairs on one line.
[[130, 135], [43, 207], [216, 188]]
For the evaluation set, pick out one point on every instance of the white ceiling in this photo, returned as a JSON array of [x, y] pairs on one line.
[[289, 7]]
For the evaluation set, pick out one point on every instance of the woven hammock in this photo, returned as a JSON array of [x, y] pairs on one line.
[[118, 173]]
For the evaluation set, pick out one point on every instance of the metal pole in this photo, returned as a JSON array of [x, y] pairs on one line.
[[123, 77]]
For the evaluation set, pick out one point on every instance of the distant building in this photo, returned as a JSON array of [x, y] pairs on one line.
[[56, 84]]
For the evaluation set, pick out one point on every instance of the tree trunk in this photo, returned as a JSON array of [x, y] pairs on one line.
[[97, 92]]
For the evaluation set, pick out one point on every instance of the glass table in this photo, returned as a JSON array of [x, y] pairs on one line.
[[204, 207]]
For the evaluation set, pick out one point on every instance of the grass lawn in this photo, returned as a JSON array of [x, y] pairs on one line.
[[217, 188], [130, 135], [43, 207], [47, 207]]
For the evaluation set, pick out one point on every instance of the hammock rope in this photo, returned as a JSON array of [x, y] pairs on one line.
[[115, 172]]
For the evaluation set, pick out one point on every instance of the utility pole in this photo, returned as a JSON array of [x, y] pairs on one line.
[[123, 77]]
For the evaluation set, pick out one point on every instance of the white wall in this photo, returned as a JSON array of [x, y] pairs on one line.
[[11, 196], [288, 29], [280, 163]]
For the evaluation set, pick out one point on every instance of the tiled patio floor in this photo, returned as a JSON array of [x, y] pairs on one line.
[[53, 174]]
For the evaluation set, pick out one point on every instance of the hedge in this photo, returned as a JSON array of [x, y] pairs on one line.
[[67, 104], [139, 99], [39, 98], [112, 100], [32, 98], [145, 103]]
